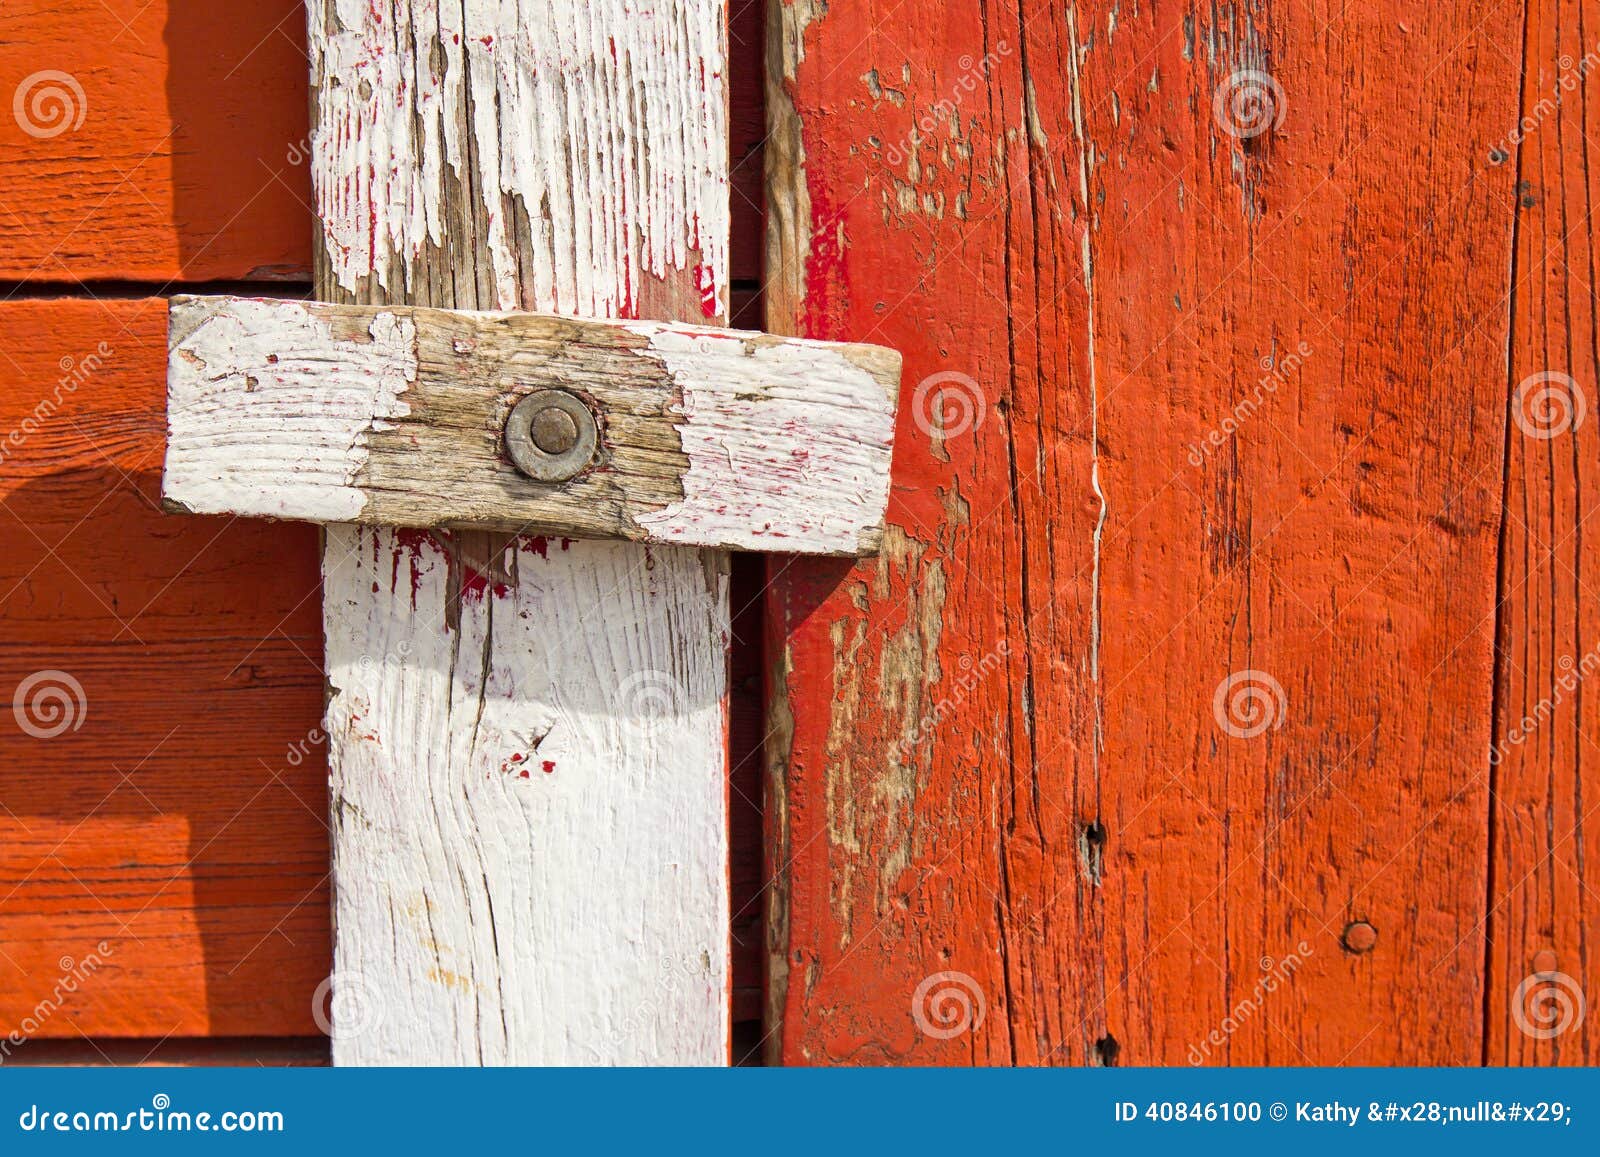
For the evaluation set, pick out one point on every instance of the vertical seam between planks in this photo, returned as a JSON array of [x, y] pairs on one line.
[[1086, 171], [1086, 177], [1497, 704], [1003, 904]]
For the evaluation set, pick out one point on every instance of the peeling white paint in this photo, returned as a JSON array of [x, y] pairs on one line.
[[614, 150], [803, 429], [269, 377]]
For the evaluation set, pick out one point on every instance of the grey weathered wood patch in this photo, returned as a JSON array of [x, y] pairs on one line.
[[394, 416]]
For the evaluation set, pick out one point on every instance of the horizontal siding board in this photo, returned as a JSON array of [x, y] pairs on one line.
[[153, 140], [196, 643]]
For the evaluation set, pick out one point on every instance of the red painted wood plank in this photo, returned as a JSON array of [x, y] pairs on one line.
[[163, 783], [1543, 973], [1008, 822], [153, 140]]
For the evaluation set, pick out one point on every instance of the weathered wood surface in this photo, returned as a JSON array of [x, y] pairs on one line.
[[1016, 817], [153, 139], [220, 910], [162, 786], [395, 416], [1543, 973], [528, 760]]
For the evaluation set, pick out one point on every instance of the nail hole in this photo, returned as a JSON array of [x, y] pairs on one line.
[[1092, 850], [1106, 1050]]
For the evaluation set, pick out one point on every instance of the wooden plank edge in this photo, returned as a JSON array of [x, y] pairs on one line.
[[393, 416]]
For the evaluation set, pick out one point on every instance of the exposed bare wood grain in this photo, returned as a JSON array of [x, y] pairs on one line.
[[203, 857]]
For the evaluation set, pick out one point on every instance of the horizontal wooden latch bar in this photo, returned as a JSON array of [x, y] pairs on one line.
[[647, 431]]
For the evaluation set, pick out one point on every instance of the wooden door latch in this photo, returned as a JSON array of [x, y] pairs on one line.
[[647, 431]]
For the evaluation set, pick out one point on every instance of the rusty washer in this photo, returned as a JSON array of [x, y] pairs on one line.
[[550, 436]]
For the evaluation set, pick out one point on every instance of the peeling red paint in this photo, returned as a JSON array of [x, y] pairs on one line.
[[827, 295]]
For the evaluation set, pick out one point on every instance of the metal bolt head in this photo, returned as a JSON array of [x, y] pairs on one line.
[[554, 431], [1359, 937], [551, 436]]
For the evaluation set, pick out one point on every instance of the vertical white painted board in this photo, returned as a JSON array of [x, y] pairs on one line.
[[527, 738]]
